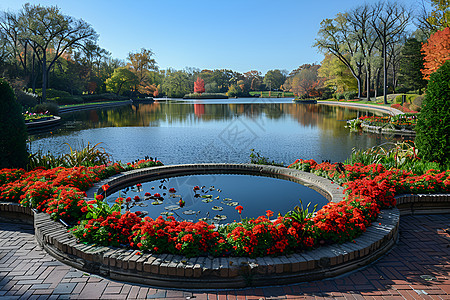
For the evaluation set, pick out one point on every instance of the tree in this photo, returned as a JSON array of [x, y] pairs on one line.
[[438, 18], [336, 37], [199, 86], [274, 79], [411, 65], [141, 63], [436, 51], [433, 125], [51, 34], [389, 20], [177, 84], [121, 80], [306, 83], [336, 75], [13, 133]]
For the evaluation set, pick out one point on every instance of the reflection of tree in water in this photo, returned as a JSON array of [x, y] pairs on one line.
[[152, 114]]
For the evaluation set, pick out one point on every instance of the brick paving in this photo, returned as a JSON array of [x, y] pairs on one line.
[[417, 268]]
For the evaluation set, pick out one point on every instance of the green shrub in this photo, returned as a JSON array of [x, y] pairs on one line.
[[67, 100], [398, 99], [349, 95], [419, 100], [51, 107], [338, 96], [100, 97], [52, 93], [26, 99], [13, 133], [433, 125]]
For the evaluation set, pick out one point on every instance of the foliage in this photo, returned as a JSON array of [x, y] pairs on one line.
[[274, 79], [176, 84], [234, 91], [142, 64], [305, 83], [436, 51], [433, 126], [199, 86], [337, 75], [256, 158], [51, 108], [13, 133], [87, 156], [411, 65], [439, 18], [121, 80]]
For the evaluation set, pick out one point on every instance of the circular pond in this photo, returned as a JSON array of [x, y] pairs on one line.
[[216, 198]]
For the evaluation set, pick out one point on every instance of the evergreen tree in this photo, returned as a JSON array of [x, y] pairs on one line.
[[433, 125], [13, 133], [411, 65]]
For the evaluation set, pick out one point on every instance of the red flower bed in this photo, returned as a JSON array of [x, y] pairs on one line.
[[60, 192]]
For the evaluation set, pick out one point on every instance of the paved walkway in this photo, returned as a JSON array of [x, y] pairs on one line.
[[417, 268]]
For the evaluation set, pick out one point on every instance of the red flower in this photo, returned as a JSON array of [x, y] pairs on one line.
[[196, 188], [99, 197], [181, 202], [105, 187], [136, 198], [139, 185], [172, 190], [239, 208], [157, 195], [147, 194], [269, 213], [128, 199]]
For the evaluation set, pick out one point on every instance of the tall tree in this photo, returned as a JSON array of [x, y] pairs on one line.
[[411, 65], [141, 64], [274, 79], [177, 84], [52, 34], [364, 35], [436, 51], [389, 20], [337, 38]]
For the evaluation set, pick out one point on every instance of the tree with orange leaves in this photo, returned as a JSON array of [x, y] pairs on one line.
[[199, 86], [436, 51]]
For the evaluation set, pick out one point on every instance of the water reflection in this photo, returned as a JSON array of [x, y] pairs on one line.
[[192, 132]]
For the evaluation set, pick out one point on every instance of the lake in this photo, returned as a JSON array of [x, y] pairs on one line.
[[208, 131]]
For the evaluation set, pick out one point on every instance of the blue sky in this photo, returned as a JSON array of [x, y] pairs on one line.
[[240, 35]]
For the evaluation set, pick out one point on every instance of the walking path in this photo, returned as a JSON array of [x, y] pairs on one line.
[[384, 109], [417, 268]]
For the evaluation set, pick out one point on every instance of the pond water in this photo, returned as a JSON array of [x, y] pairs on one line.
[[194, 131], [215, 197]]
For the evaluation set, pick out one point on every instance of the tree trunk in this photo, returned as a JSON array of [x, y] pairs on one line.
[[33, 76], [44, 76], [368, 81], [384, 72]]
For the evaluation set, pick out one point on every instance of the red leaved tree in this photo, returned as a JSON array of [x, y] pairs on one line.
[[436, 51], [199, 86]]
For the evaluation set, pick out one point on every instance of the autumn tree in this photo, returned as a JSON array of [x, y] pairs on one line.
[[141, 64], [336, 75], [51, 34], [199, 86], [306, 83], [121, 80], [436, 51]]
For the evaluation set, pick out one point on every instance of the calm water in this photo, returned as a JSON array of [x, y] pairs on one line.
[[218, 196], [213, 131]]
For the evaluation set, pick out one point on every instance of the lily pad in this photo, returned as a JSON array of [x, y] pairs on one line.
[[232, 204], [220, 217], [157, 202], [174, 196], [227, 199], [219, 208], [172, 207], [217, 198], [141, 204], [207, 200], [189, 212], [207, 196], [166, 213]]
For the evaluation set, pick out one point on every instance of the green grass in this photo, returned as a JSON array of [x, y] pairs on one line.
[[89, 103]]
